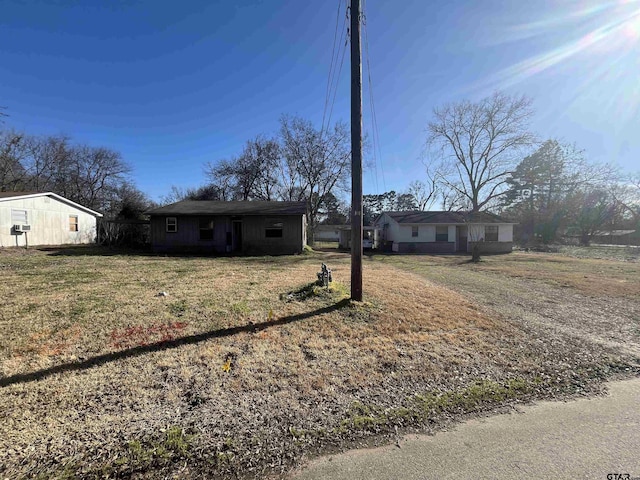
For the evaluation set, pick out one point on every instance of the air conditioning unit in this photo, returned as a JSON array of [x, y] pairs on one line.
[[17, 228], [26, 228]]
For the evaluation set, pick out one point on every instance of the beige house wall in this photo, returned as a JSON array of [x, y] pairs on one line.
[[49, 221]]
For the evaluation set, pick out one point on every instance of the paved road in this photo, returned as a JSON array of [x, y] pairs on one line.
[[581, 439]]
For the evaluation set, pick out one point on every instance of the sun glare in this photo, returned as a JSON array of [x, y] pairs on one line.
[[632, 28], [600, 53]]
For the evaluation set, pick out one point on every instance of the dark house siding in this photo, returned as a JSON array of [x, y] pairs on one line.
[[187, 238], [255, 241], [253, 235]]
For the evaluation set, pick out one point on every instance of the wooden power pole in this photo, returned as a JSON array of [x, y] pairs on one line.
[[356, 154]]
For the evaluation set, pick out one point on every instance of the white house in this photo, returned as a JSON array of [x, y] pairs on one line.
[[444, 232], [327, 233], [28, 218]]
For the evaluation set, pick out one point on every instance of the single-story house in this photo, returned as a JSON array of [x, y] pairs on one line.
[[616, 237], [327, 233], [44, 218], [444, 232], [247, 227], [369, 237], [604, 237], [342, 235]]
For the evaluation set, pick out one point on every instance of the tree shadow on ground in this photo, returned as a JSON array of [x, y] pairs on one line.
[[164, 345]]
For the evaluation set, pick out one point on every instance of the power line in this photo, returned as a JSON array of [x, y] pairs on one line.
[[337, 77], [374, 119], [335, 91], [373, 172], [335, 55]]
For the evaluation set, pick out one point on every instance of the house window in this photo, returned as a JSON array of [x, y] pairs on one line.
[[206, 229], [19, 217], [273, 228], [73, 223], [172, 224], [414, 231], [442, 233], [491, 233]]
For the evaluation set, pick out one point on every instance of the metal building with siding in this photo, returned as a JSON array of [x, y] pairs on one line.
[[30, 218], [249, 227]]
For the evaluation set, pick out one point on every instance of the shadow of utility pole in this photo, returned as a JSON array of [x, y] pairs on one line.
[[165, 345]]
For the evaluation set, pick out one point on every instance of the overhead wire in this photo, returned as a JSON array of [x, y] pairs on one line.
[[333, 54], [337, 77], [333, 80], [333, 76], [377, 154]]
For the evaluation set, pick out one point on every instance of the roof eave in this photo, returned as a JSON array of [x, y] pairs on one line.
[[57, 197]]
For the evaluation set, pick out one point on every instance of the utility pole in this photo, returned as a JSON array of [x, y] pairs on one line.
[[356, 154]]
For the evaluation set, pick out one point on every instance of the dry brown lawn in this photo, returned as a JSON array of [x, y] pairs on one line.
[[591, 276], [245, 367], [597, 277]]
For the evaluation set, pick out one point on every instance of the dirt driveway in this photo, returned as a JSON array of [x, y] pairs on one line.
[[585, 303]]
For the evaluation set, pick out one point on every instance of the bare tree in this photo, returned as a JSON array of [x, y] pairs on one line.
[[96, 177], [425, 195], [235, 176], [90, 174], [478, 145], [593, 210], [209, 191], [315, 163], [252, 174], [301, 164], [266, 154], [627, 196], [174, 195], [48, 163], [13, 175]]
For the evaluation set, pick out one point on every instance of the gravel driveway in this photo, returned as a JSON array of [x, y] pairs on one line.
[[611, 322]]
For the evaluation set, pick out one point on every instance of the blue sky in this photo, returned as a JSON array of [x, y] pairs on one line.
[[173, 85]]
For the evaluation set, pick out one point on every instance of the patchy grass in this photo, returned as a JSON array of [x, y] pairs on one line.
[[327, 245], [246, 364], [424, 407], [596, 277], [602, 252]]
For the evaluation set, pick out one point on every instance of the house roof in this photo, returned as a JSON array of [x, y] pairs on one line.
[[439, 217], [211, 207], [6, 196]]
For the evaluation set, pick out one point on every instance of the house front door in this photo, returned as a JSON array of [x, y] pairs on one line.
[[236, 240], [462, 238]]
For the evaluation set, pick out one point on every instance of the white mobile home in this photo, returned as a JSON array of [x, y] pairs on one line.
[[28, 218]]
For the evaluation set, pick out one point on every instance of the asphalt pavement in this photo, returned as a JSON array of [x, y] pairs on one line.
[[591, 438]]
